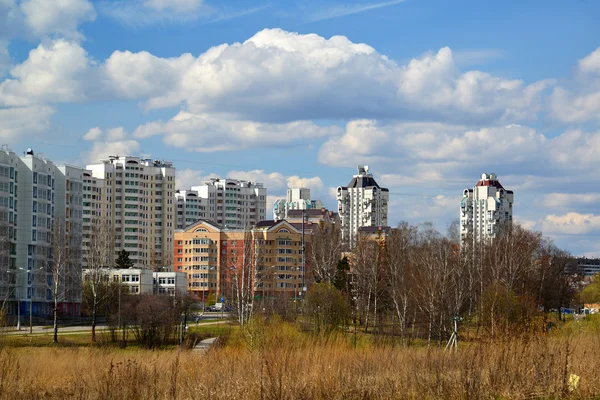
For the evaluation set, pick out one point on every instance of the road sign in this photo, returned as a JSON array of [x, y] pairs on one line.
[[222, 299]]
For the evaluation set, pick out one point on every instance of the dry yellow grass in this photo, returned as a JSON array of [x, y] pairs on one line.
[[277, 362]]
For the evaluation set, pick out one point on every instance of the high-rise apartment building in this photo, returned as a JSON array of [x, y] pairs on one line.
[[296, 199], [484, 209], [135, 197], [37, 201], [232, 203], [361, 203]]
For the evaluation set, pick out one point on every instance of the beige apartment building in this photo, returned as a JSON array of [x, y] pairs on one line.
[[135, 197]]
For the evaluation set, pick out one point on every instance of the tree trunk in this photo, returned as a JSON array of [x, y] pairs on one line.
[[55, 320], [95, 306]]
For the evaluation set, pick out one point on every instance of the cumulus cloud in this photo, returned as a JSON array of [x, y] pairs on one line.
[[207, 133], [279, 76], [418, 152], [186, 178], [93, 134], [23, 121], [572, 223], [101, 150], [571, 200], [578, 100], [60, 17], [57, 71]]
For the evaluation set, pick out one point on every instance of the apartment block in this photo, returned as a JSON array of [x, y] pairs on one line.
[[361, 203], [39, 200], [296, 199], [484, 209], [214, 257], [231, 203], [135, 197]]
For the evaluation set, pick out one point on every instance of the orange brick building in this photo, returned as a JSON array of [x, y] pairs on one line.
[[216, 259]]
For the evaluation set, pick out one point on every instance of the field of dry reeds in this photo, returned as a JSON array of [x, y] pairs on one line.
[[276, 361]]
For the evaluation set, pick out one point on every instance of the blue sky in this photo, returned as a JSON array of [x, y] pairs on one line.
[[429, 93]]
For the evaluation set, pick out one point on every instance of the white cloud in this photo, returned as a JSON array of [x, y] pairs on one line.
[[93, 134], [58, 71], [186, 178], [116, 134], [23, 121], [102, 150], [571, 200], [578, 100], [572, 223], [277, 76], [61, 17], [207, 133], [273, 181], [313, 183]]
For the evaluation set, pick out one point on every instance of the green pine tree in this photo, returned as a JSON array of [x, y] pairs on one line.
[[123, 261]]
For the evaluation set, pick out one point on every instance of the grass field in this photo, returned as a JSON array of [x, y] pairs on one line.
[[277, 361]]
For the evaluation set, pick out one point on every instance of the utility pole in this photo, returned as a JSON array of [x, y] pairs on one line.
[[303, 257]]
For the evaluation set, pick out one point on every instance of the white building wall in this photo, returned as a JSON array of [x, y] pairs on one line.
[[361, 203], [233, 203], [485, 208], [140, 207], [296, 199]]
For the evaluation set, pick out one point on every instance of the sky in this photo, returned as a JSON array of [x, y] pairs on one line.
[[429, 93]]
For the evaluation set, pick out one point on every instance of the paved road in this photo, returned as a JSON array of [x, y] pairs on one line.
[[39, 330]]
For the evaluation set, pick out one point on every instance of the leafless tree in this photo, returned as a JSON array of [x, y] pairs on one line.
[[243, 273], [325, 252], [400, 244], [64, 264], [98, 257]]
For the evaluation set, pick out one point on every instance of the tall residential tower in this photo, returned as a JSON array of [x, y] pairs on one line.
[[361, 203], [484, 209]]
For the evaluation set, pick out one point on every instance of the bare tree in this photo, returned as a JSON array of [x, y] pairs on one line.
[[64, 264], [244, 264], [98, 257], [367, 274], [325, 252], [398, 263]]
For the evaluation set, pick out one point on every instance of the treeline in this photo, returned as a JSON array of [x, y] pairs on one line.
[[414, 280]]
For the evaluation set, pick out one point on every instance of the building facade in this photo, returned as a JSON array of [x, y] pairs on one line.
[[144, 281], [38, 203], [214, 257], [135, 197], [484, 209], [296, 199], [361, 203], [232, 203]]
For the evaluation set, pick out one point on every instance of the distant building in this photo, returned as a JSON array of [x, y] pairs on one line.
[[135, 197], [210, 254], [144, 281], [361, 203], [586, 267], [235, 204], [296, 199], [484, 209]]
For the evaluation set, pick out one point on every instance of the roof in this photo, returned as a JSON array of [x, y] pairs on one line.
[[375, 229], [202, 222], [362, 181], [489, 182]]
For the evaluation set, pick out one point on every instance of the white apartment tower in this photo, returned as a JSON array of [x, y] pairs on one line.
[[296, 199], [36, 195], [361, 203], [484, 209], [135, 197], [232, 203]]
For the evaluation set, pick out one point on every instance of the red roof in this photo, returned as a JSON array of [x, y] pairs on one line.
[[488, 182]]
